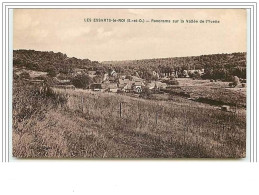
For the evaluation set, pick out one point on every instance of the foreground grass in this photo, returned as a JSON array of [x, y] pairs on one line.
[[100, 125]]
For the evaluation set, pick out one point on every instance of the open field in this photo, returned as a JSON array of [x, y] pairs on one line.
[[80, 123], [218, 92]]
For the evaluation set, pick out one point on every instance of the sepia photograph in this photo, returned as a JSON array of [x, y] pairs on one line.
[[129, 83]]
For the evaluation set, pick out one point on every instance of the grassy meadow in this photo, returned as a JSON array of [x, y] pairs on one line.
[[214, 91], [83, 124]]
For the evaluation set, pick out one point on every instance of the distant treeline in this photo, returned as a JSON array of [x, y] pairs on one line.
[[46, 61], [217, 66]]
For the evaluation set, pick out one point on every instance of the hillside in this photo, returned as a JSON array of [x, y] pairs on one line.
[[191, 62], [45, 61], [85, 124], [215, 65]]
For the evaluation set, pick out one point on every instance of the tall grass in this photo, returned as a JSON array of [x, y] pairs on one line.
[[31, 103], [104, 125], [179, 130]]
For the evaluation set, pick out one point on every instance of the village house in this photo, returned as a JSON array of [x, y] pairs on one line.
[[127, 87], [113, 73], [160, 85], [123, 77], [137, 87], [112, 87], [135, 79], [187, 73], [123, 82], [156, 85], [105, 84], [112, 79], [155, 74], [96, 86], [151, 85], [167, 74], [105, 77], [200, 71], [134, 84]]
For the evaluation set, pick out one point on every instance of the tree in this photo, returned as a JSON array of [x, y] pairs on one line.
[[52, 72], [195, 75], [82, 81]]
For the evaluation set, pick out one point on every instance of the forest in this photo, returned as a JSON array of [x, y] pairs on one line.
[[216, 66]]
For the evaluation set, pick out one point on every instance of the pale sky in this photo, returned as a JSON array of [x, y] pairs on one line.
[[64, 30]]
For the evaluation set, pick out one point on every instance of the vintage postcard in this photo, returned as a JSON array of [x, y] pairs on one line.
[[129, 83]]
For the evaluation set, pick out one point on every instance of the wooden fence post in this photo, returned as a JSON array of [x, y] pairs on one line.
[[82, 103], [184, 137], [156, 117], [197, 141], [120, 108], [139, 112]]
